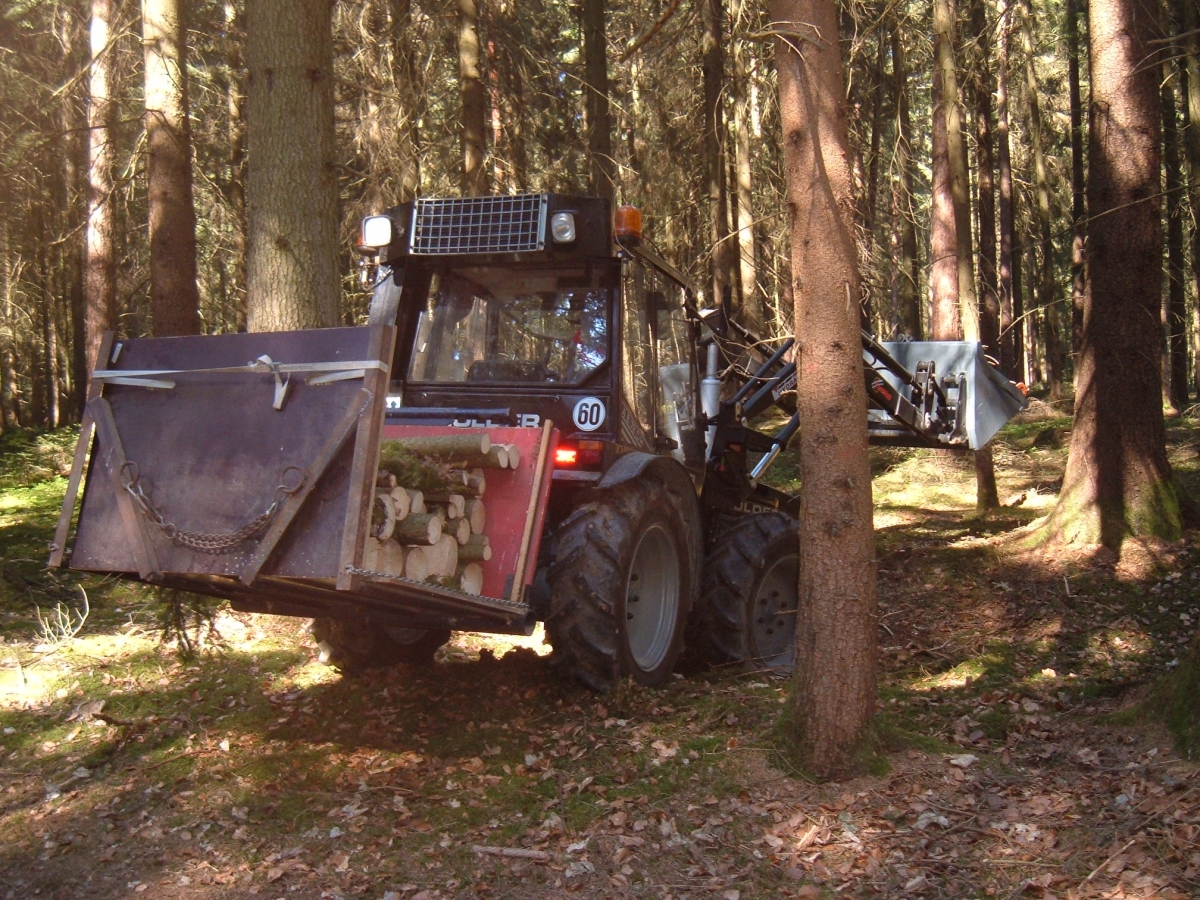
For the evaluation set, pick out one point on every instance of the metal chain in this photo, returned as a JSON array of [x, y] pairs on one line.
[[201, 542]]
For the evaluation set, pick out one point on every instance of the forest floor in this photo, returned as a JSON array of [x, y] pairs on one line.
[[1020, 760]]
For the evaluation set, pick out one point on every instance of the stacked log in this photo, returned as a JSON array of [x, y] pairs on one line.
[[429, 518]]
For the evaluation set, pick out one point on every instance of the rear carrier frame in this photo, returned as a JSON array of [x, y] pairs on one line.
[[247, 466]]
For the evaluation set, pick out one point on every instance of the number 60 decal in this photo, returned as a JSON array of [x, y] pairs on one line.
[[589, 414]]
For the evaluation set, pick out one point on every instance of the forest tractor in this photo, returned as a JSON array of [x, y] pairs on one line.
[[537, 424]]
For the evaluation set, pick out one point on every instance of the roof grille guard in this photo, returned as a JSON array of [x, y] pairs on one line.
[[513, 224]]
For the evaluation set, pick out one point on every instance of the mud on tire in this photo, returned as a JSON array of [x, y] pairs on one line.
[[355, 647], [621, 586], [746, 611]]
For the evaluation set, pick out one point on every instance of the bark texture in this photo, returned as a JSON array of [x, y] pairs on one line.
[[1118, 481], [474, 99], [602, 168], [291, 188], [833, 696], [945, 321], [100, 274], [174, 296]]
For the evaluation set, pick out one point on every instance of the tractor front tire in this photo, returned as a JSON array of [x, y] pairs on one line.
[[749, 594], [621, 586], [356, 647]]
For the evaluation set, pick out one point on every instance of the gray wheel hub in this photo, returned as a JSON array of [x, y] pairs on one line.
[[652, 598], [773, 615]]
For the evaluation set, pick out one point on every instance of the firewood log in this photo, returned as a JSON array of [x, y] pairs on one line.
[[454, 504], [391, 558], [477, 548], [461, 529], [514, 455], [470, 578], [473, 512], [416, 566], [448, 449], [416, 503], [403, 501], [442, 557], [419, 528], [371, 555], [383, 516]]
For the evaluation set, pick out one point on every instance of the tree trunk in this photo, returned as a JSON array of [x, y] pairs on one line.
[[100, 279], [1189, 66], [474, 99], [602, 171], [713, 65], [411, 98], [1078, 185], [1012, 344], [174, 296], [1118, 481], [74, 163], [987, 495], [292, 190], [833, 698], [906, 294], [236, 101], [981, 88], [1047, 285], [750, 299], [1175, 309], [945, 320]]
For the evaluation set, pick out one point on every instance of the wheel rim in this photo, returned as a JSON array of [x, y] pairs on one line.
[[652, 598], [773, 613]]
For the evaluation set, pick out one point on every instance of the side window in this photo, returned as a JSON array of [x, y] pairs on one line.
[[636, 346], [676, 367]]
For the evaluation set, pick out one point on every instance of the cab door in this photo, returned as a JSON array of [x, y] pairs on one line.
[[660, 379]]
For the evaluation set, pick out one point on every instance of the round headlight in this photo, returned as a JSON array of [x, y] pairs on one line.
[[376, 231], [562, 227]]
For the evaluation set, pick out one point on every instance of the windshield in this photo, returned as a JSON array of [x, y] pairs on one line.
[[514, 324]]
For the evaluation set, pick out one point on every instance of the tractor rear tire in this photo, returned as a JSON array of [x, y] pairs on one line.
[[749, 594], [356, 647], [621, 586]]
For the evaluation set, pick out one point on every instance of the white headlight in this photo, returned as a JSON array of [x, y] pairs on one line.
[[376, 231], [562, 227]]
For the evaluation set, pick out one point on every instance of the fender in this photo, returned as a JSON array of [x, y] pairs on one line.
[[635, 465]]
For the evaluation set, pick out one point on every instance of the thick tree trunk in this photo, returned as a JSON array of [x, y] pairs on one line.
[[1078, 185], [100, 279], [1118, 481], [945, 319], [833, 697], [292, 190], [906, 293], [1012, 344], [174, 296], [474, 99], [713, 66], [1175, 378], [602, 171]]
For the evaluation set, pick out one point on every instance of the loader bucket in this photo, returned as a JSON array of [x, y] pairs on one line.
[[990, 398], [245, 466]]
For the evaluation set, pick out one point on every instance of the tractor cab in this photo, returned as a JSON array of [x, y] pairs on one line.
[[518, 310]]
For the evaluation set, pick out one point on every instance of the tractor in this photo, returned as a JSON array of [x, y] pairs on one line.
[[529, 364]]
